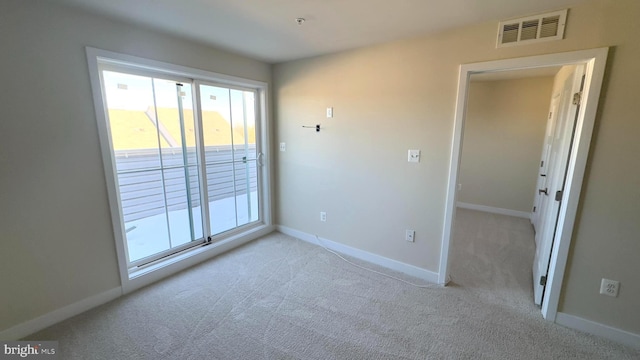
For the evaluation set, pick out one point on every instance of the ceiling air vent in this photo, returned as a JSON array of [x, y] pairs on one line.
[[532, 29]]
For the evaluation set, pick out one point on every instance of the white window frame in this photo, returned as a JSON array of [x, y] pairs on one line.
[[131, 280]]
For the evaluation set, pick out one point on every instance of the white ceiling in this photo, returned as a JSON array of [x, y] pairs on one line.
[[266, 29]]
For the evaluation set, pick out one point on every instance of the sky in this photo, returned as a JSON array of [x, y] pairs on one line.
[[134, 92]]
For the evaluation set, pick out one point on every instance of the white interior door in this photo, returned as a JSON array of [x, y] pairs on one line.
[[539, 197], [558, 153]]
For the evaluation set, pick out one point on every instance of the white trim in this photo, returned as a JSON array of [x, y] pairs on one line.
[[168, 267], [395, 265], [595, 59], [144, 64], [494, 210], [163, 270], [265, 147], [575, 173], [591, 327], [188, 259], [41, 322], [108, 161]]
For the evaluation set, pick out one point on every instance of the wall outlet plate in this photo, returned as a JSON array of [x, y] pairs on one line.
[[414, 156], [410, 235], [329, 112], [283, 146], [609, 287], [323, 216]]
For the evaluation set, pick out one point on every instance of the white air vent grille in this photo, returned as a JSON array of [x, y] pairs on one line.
[[537, 28]]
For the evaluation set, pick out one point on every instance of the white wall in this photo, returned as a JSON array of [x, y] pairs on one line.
[[502, 144], [56, 240], [401, 95]]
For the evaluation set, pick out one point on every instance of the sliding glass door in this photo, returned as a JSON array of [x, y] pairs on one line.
[[185, 160], [231, 158]]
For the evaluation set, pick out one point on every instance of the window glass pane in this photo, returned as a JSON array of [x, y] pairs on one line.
[[229, 131], [153, 138], [130, 105], [179, 213], [246, 192], [217, 135], [196, 202], [222, 207], [144, 212], [216, 117], [244, 124]]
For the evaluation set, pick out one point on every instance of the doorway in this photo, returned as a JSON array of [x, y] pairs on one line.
[[594, 61]]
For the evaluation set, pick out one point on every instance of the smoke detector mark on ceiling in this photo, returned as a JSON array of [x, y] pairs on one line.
[[532, 29]]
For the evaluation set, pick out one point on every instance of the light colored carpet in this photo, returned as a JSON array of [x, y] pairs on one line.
[[281, 298]]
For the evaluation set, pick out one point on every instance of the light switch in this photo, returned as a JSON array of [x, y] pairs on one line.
[[414, 156], [329, 112]]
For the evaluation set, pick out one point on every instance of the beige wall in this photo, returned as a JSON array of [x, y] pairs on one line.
[[56, 239], [503, 135], [401, 95]]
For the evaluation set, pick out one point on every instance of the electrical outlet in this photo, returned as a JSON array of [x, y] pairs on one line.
[[323, 216], [329, 112], [283, 146], [414, 156], [609, 287], [410, 235]]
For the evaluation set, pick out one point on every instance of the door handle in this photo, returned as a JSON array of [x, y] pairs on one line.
[[541, 191], [260, 159]]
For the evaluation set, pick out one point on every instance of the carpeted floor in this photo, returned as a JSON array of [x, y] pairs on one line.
[[281, 298]]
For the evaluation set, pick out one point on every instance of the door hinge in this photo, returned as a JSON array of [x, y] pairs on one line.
[[559, 195], [543, 280], [577, 97]]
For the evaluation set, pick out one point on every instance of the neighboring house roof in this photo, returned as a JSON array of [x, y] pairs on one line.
[[131, 129]]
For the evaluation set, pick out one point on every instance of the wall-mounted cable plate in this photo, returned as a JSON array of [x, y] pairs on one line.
[[410, 235], [414, 156]]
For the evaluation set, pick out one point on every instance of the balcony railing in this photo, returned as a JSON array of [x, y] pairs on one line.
[[141, 178]]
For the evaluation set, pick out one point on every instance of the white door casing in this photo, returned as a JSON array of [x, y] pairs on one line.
[[558, 157], [595, 60]]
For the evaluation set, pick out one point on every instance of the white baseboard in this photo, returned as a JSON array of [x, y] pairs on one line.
[[412, 270], [34, 325], [29, 327], [494, 210], [597, 329]]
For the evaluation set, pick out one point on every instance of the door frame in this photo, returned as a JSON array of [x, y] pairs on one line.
[[131, 281], [595, 61]]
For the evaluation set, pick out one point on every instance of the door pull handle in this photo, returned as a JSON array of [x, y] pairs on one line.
[[541, 191], [260, 159]]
